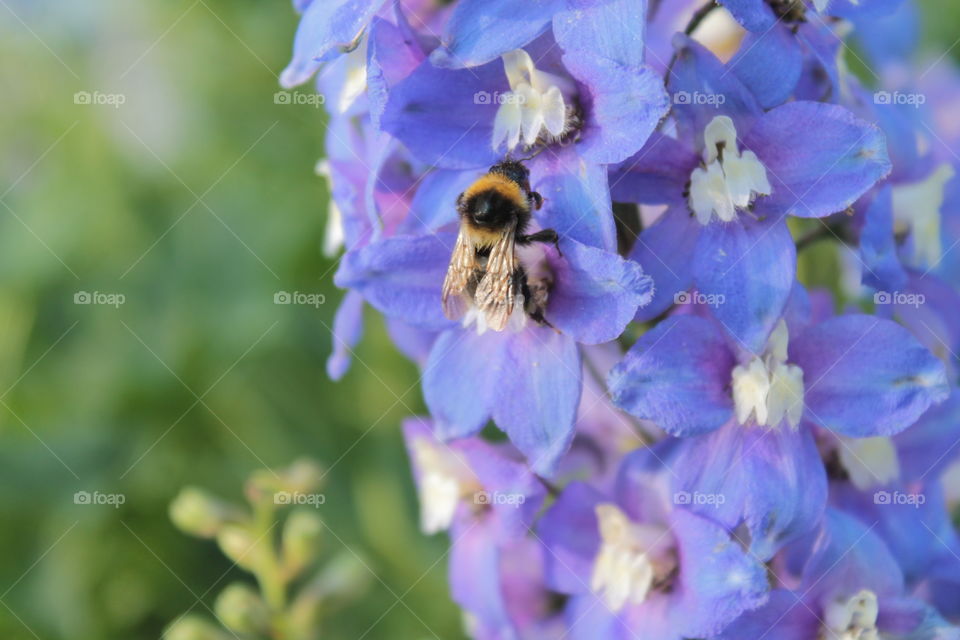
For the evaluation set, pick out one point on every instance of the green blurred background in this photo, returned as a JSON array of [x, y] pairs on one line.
[[196, 200]]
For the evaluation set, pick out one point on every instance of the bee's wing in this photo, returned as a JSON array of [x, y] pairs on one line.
[[462, 265], [497, 292]]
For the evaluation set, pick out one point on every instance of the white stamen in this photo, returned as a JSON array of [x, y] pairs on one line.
[[535, 105], [851, 619], [916, 208], [870, 462], [355, 77], [445, 479], [632, 558], [768, 388], [728, 180]]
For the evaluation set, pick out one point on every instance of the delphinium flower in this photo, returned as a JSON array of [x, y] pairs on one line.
[[763, 465], [749, 417], [850, 587], [637, 565], [729, 179]]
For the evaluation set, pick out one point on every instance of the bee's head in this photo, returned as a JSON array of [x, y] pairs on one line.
[[515, 171]]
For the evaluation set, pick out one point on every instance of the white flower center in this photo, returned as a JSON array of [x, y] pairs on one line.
[[870, 462], [916, 208], [632, 558], [728, 180], [534, 107], [445, 479], [851, 619], [768, 388]]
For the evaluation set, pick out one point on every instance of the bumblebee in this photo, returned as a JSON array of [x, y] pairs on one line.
[[485, 271]]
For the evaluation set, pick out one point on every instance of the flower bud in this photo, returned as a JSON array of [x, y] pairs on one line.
[[196, 512], [301, 539], [193, 628], [238, 544], [241, 609]]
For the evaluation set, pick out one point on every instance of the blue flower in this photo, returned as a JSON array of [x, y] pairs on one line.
[[850, 587], [748, 416], [528, 378], [740, 171], [637, 565]]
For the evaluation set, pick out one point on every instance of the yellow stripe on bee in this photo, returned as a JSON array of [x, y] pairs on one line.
[[481, 238], [502, 185]]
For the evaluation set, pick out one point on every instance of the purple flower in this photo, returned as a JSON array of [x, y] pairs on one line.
[[748, 415], [527, 378], [636, 565], [740, 171], [850, 587]]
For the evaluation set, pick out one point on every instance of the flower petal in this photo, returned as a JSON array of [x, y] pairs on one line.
[[754, 15], [677, 375], [878, 247], [347, 329], [576, 198], [613, 29], [434, 204], [703, 88], [624, 106], [657, 174], [461, 381], [401, 276], [324, 27], [771, 480], [666, 251], [769, 64], [537, 393], [570, 534], [445, 117], [747, 268], [482, 30], [819, 158], [588, 280], [866, 376]]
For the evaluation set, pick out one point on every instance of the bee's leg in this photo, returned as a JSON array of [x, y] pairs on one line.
[[535, 301], [544, 235]]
